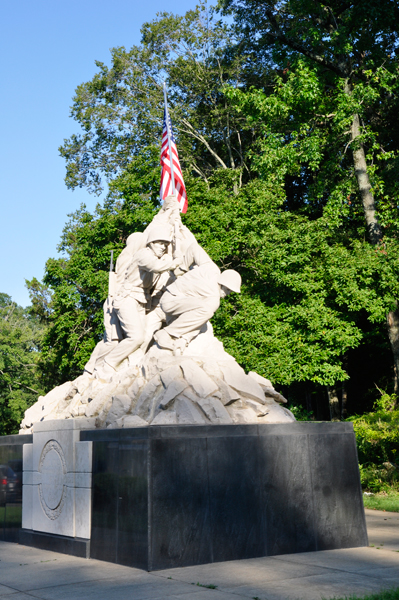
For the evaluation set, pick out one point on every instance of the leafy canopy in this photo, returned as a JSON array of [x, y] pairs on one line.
[[20, 383]]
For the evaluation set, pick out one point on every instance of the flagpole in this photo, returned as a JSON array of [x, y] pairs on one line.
[[169, 144]]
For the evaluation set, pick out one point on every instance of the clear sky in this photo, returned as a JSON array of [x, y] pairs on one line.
[[48, 47]]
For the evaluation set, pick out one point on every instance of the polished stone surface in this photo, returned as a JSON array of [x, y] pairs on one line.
[[120, 503], [56, 543], [180, 526], [27, 573], [238, 517], [170, 496]]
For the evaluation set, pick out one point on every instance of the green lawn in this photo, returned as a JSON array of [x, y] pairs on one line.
[[14, 515], [383, 595], [383, 501]]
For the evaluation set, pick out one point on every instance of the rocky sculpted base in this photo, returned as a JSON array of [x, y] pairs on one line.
[[205, 385]]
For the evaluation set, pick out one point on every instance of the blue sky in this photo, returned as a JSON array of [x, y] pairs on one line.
[[47, 48]]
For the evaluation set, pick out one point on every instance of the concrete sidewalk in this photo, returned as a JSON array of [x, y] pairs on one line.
[[27, 573]]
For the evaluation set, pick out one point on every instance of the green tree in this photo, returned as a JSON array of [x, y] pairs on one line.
[[20, 383], [297, 139], [336, 98]]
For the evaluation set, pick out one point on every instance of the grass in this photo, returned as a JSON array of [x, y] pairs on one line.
[[13, 515], [388, 501], [392, 594]]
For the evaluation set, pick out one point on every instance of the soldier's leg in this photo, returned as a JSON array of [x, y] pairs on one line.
[[89, 366], [104, 350], [153, 322], [97, 356], [131, 316], [187, 314]]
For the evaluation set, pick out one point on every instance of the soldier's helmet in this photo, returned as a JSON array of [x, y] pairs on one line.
[[231, 279], [159, 234]]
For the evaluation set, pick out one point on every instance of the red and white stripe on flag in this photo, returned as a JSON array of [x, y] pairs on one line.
[[166, 175]]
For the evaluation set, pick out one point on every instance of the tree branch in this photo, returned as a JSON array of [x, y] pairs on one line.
[[200, 138], [278, 34], [27, 387]]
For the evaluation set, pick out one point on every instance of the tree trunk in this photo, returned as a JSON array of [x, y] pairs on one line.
[[363, 181], [333, 402], [344, 397], [393, 333], [344, 403], [373, 227], [362, 176]]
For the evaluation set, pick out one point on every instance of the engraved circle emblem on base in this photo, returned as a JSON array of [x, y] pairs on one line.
[[52, 489]]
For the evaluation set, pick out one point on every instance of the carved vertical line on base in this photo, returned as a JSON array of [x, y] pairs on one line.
[[149, 505], [209, 498], [312, 493]]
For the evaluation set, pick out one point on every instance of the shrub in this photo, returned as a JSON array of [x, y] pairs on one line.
[[377, 437], [300, 413]]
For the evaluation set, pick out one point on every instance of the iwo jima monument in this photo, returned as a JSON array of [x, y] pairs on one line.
[[164, 452]]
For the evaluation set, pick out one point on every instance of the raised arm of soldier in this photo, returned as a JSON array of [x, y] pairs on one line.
[[169, 215]]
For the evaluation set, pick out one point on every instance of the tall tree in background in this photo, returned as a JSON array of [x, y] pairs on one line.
[[355, 42], [349, 50]]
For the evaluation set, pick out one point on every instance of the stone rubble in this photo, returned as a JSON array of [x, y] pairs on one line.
[[203, 386]]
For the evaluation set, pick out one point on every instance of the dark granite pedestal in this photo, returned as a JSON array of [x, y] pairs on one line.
[[170, 496], [55, 543]]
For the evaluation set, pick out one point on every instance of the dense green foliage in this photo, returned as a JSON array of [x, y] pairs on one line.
[[304, 142], [285, 304], [377, 437], [20, 384]]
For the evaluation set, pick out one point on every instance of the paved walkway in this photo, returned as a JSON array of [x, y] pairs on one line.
[[27, 573]]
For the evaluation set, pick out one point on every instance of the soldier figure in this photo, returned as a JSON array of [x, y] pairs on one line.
[[190, 301], [133, 297]]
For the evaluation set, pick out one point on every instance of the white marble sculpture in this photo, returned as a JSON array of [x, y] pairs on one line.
[[159, 362]]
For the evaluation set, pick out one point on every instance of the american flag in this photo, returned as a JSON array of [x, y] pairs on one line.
[[166, 175]]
